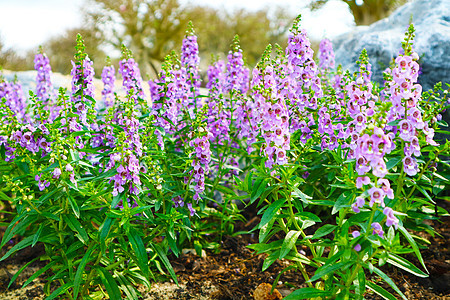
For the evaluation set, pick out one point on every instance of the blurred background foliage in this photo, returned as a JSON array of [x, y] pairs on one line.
[[153, 28]]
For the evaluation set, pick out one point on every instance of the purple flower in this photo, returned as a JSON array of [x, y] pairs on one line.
[[360, 181], [386, 187], [362, 165], [191, 210], [391, 219], [56, 173], [359, 202], [377, 229], [406, 130], [376, 196], [410, 165]]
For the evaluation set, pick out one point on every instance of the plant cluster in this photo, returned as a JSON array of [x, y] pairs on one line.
[[344, 171]]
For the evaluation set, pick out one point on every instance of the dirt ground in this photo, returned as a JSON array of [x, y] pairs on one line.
[[235, 272]]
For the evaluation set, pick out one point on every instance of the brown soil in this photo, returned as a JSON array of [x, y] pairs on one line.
[[235, 272]]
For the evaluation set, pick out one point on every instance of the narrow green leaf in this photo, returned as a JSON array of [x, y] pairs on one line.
[[104, 232], [110, 284], [289, 242], [413, 245], [127, 287], [361, 288], [165, 261], [393, 162], [388, 281], [327, 269], [139, 249], [296, 193], [37, 235], [405, 265], [62, 289], [20, 271], [258, 189], [75, 225], [74, 206], [324, 230], [19, 246], [270, 212], [270, 260], [19, 223], [307, 293], [380, 291], [342, 201], [38, 273], [81, 269]]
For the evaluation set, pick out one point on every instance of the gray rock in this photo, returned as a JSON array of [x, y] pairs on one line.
[[382, 40]]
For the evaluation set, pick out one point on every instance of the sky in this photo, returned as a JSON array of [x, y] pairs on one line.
[[25, 24]]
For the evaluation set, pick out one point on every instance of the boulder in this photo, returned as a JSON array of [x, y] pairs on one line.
[[382, 40]]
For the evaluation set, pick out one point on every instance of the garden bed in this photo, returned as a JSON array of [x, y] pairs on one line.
[[235, 271]]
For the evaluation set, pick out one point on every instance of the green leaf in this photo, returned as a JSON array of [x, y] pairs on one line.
[[405, 265], [19, 246], [297, 193], [116, 200], [81, 269], [393, 162], [110, 284], [74, 206], [270, 212], [17, 224], [342, 201], [307, 293], [165, 261], [127, 287], [104, 229], [270, 260], [327, 269], [37, 234], [388, 281], [289, 242], [62, 289], [20, 271], [258, 188], [75, 225], [413, 245], [361, 288], [424, 192], [393, 123], [38, 273], [380, 291], [324, 230], [139, 250]]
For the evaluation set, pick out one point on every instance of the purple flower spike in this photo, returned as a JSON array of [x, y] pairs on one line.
[[326, 54]]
